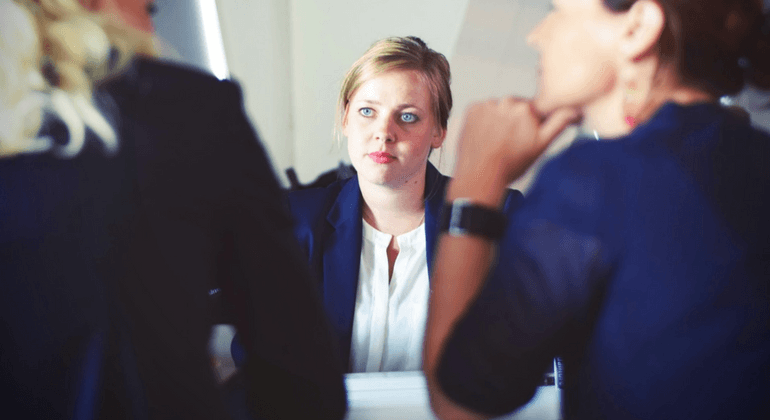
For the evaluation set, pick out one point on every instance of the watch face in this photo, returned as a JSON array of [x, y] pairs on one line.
[[458, 208]]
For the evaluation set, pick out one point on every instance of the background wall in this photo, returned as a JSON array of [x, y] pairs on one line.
[[290, 57], [491, 59], [188, 32]]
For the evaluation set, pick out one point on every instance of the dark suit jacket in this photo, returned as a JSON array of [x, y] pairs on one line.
[[190, 204], [329, 229]]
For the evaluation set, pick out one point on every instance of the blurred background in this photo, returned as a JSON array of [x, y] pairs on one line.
[[290, 56]]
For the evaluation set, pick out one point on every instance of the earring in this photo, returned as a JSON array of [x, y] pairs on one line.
[[631, 100]]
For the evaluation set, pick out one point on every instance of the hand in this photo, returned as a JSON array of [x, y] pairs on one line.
[[502, 138]]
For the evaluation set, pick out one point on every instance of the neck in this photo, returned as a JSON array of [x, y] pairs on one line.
[[607, 114], [394, 210]]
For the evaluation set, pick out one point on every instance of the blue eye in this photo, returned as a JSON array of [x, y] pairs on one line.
[[366, 112], [408, 117]]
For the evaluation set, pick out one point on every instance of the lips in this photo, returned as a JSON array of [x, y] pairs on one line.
[[381, 157]]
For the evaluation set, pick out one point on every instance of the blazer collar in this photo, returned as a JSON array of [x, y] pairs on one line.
[[347, 206], [435, 186], [341, 261], [342, 249]]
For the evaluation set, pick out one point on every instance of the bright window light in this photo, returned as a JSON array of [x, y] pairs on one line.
[[215, 50]]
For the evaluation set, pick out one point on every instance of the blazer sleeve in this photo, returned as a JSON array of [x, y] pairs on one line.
[[292, 366], [540, 297]]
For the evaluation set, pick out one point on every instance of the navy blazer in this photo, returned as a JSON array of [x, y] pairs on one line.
[[644, 263], [328, 226], [107, 263]]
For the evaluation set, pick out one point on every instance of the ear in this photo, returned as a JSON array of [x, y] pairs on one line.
[[644, 25], [438, 138]]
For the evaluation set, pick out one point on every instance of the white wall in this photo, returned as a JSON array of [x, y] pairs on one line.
[[328, 36], [491, 59], [257, 40], [290, 57]]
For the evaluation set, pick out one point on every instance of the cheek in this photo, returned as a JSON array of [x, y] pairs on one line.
[[586, 78], [354, 134], [576, 70], [355, 147], [420, 144]]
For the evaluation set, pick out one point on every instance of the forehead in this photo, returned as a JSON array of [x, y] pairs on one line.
[[584, 6], [406, 86]]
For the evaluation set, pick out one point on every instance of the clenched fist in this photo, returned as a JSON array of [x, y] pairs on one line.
[[501, 138]]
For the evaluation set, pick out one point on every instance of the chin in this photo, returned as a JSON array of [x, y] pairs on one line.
[[374, 176], [545, 105], [542, 105]]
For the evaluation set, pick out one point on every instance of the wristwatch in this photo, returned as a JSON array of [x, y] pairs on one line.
[[463, 218]]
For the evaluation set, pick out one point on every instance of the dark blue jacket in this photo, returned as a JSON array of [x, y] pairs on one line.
[[106, 265], [645, 263], [329, 228]]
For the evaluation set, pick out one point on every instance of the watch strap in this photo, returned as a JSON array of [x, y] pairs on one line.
[[463, 218]]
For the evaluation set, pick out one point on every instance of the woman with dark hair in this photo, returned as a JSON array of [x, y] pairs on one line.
[[641, 258]]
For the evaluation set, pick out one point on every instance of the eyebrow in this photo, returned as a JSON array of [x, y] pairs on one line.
[[400, 106]]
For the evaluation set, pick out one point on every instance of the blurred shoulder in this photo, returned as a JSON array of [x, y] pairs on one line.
[[164, 82], [313, 203]]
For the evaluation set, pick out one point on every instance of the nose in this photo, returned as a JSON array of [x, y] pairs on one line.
[[386, 130]]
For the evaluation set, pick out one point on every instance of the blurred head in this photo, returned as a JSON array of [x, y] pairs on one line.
[[136, 14], [52, 52], [393, 108], [591, 50], [578, 48]]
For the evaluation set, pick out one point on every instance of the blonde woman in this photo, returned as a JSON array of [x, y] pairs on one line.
[[370, 239], [130, 189]]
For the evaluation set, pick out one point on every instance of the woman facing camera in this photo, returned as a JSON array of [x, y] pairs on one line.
[[641, 258], [370, 239]]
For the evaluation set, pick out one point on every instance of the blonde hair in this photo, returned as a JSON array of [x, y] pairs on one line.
[[399, 53], [51, 54]]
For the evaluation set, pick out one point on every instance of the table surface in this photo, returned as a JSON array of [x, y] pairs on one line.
[[404, 396], [388, 395]]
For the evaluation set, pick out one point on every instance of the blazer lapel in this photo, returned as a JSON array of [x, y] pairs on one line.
[[341, 261], [435, 184]]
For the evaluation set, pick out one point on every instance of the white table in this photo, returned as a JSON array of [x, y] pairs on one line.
[[404, 396], [386, 396]]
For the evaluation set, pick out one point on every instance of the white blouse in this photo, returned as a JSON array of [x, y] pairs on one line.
[[389, 320]]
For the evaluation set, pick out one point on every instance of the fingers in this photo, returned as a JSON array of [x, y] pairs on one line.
[[555, 123], [508, 134]]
